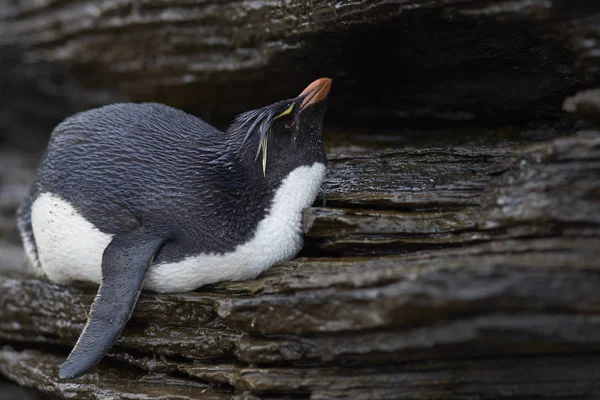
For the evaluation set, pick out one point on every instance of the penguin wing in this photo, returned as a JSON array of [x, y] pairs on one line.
[[124, 264]]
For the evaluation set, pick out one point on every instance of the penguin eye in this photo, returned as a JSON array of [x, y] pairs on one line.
[[289, 124]]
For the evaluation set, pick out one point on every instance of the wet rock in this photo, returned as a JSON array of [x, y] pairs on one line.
[[454, 197], [11, 391], [414, 177], [462, 379], [553, 186], [310, 318], [503, 289], [34, 368], [17, 171], [449, 61], [585, 104], [457, 261]]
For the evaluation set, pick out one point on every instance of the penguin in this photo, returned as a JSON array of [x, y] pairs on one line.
[[145, 196]]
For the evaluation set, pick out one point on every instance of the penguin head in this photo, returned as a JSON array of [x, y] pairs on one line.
[[283, 136]]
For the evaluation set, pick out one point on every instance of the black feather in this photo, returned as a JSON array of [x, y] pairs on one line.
[[262, 119]]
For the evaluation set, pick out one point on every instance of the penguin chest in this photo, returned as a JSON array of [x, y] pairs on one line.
[[278, 237], [70, 247]]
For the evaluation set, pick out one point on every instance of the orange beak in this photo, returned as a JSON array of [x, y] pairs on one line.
[[315, 92]]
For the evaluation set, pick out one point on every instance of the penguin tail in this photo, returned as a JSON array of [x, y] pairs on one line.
[[26, 233]]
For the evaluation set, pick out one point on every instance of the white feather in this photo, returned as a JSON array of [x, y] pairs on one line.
[[70, 247]]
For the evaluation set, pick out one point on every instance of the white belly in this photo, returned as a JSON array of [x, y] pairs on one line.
[[70, 248]]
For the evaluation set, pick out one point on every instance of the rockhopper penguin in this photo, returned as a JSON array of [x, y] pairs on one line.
[[145, 195]]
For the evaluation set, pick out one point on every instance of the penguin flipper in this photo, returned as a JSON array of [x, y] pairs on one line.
[[124, 264]]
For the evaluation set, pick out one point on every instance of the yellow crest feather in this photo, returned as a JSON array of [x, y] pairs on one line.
[[286, 112]]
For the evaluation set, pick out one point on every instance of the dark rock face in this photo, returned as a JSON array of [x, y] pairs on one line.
[[419, 61], [440, 285], [585, 104], [449, 255]]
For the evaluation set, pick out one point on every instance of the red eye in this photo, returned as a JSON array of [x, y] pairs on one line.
[[289, 124]]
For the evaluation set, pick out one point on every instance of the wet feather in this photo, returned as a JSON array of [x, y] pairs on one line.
[[260, 121]]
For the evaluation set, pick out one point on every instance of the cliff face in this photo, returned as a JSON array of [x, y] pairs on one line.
[[393, 62], [452, 253]]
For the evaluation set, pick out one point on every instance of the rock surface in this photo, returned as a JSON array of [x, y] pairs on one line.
[[585, 104], [479, 280], [452, 253], [458, 61]]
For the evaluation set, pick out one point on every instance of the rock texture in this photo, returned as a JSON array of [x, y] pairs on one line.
[[452, 253], [392, 61], [585, 104], [480, 280]]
